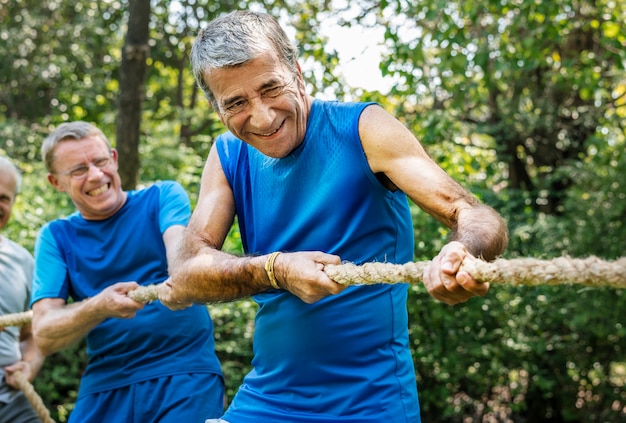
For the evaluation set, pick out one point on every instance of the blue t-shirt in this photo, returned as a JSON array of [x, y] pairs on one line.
[[77, 258], [345, 358]]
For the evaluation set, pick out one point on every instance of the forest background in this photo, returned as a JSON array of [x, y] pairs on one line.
[[523, 102]]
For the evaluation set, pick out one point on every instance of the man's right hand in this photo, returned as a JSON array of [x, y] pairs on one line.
[[302, 274]]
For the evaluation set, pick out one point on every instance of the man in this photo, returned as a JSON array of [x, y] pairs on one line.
[[319, 182], [146, 363], [18, 352]]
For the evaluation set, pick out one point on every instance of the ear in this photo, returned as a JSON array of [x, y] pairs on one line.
[[114, 155], [54, 181]]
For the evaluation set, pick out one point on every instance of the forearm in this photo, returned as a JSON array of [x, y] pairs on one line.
[[31, 355], [482, 230], [55, 329], [214, 276]]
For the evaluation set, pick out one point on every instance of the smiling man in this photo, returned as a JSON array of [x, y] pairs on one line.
[[146, 363], [312, 183]]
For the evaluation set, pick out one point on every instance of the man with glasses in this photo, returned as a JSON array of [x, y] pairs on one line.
[[146, 362]]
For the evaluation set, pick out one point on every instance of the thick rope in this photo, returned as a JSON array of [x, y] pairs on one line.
[[590, 271], [144, 294], [16, 319], [31, 395]]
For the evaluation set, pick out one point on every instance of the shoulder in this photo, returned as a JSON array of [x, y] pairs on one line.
[[171, 193], [18, 251], [386, 140], [167, 186], [334, 107], [161, 189], [335, 119]]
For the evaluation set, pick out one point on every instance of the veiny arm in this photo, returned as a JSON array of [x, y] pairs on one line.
[[402, 163], [203, 274]]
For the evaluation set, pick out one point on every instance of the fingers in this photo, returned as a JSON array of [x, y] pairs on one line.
[[468, 283], [444, 281], [167, 298], [20, 366], [115, 302], [303, 275]]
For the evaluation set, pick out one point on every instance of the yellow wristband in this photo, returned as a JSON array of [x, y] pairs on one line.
[[269, 269]]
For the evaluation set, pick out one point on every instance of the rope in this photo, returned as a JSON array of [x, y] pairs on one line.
[[31, 395], [590, 271], [144, 294], [16, 319]]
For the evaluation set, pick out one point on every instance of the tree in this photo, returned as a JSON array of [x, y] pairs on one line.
[[131, 94]]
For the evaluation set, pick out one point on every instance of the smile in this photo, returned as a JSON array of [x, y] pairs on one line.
[[98, 191], [271, 133]]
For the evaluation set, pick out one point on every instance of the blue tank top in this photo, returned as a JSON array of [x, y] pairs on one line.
[[78, 258], [347, 355]]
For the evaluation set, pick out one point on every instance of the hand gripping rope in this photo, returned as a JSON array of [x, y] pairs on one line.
[[591, 272]]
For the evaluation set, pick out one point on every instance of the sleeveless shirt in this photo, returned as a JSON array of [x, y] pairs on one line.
[[347, 356]]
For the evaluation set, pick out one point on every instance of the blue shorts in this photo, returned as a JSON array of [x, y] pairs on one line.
[[171, 399]]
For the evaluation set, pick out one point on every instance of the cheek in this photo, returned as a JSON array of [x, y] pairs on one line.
[[234, 123]]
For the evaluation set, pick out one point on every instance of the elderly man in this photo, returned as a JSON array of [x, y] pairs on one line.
[[312, 183], [18, 351], [146, 363]]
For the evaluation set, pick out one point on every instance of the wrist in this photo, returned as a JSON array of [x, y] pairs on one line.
[[269, 269]]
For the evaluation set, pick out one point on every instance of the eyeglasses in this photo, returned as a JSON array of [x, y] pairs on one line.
[[81, 172]]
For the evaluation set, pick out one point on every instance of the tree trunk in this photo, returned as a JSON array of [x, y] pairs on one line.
[[132, 79]]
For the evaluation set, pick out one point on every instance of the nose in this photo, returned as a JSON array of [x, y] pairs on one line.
[[261, 115], [92, 166]]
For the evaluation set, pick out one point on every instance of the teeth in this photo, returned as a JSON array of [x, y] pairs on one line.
[[271, 133], [98, 191]]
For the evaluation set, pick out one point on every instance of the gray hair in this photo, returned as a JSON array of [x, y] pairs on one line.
[[236, 38], [7, 165], [77, 130]]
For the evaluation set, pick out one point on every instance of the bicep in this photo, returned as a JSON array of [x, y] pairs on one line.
[[393, 150], [215, 211]]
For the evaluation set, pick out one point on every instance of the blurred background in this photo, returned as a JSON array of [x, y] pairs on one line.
[[523, 102]]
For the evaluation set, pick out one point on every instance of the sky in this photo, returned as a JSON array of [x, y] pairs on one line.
[[359, 52]]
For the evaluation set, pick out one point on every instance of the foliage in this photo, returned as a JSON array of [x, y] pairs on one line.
[[54, 53], [521, 102], [539, 77]]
